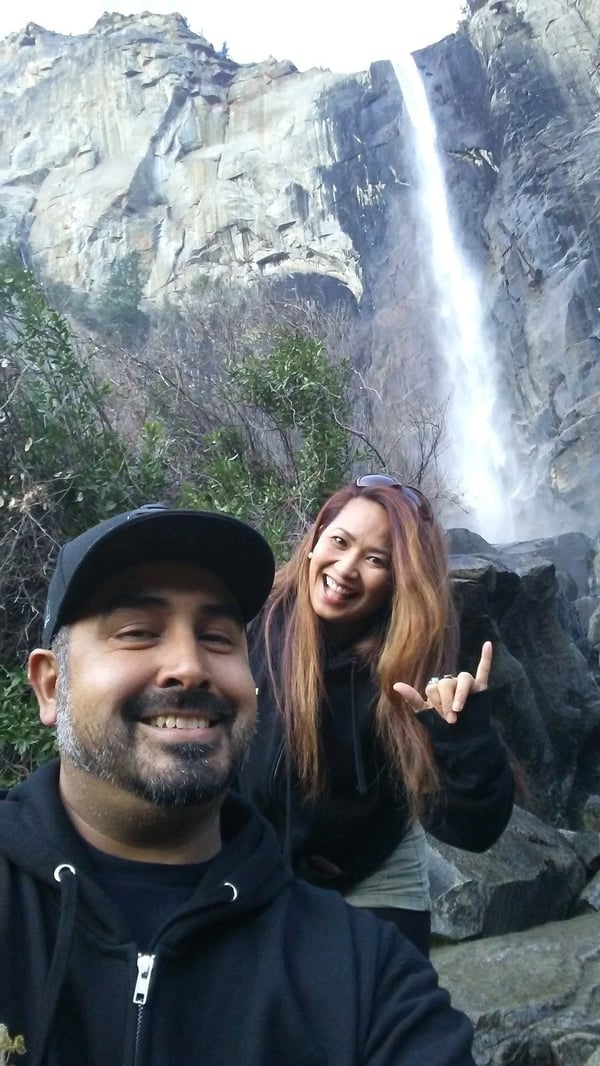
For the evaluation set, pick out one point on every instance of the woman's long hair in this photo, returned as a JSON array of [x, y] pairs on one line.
[[416, 639]]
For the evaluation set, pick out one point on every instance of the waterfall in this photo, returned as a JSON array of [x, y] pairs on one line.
[[478, 456]]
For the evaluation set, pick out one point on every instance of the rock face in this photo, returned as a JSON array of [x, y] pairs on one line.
[[208, 168], [542, 229], [170, 149]]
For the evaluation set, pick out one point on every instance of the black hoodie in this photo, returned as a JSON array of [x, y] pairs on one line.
[[256, 969], [346, 833]]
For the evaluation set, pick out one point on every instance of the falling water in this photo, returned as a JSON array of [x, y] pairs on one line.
[[479, 460]]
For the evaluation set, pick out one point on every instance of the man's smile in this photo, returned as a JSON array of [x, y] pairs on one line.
[[171, 721]]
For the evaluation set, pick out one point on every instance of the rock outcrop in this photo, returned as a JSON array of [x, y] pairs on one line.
[[541, 229], [515, 930], [546, 696], [170, 149]]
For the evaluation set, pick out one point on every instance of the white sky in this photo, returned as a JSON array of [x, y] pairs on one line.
[[343, 35]]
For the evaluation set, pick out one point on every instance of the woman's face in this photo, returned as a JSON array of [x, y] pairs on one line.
[[350, 573]]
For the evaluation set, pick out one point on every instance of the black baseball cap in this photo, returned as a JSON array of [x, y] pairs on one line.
[[230, 549]]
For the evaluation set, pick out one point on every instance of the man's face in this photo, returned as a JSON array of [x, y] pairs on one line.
[[157, 697]]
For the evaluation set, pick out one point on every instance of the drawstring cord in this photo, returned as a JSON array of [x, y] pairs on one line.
[[287, 839], [66, 876], [359, 765]]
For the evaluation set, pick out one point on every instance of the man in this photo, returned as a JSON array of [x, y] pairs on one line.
[[145, 916]]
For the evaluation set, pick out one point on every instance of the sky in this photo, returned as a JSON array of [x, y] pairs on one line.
[[326, 33]]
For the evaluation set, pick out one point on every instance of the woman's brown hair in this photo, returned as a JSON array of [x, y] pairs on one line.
[[416, 640]]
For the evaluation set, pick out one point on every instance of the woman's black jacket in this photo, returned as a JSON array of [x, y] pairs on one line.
[[346, 833]]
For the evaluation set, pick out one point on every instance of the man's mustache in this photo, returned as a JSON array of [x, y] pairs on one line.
[[171, 700]]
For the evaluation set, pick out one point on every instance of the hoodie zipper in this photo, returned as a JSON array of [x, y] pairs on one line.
[[145, 966]]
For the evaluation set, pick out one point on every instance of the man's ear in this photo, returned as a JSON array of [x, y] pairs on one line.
[[42, 672]]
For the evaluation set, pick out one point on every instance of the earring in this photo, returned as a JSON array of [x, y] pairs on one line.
[[256, 692], [310, 555]]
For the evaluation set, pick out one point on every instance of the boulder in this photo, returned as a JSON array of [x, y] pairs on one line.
[[532, 996], [530, 876]]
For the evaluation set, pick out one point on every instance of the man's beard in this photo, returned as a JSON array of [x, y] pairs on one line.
[[186, 776]]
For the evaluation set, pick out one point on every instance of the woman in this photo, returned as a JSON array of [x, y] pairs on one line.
[[349, 758]]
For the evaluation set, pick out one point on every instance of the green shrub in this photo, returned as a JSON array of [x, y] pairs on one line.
[[64, 462], [24, 741], [283, 443]]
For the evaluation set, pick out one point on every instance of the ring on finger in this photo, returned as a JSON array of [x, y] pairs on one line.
[[448, 676], [432, 681]]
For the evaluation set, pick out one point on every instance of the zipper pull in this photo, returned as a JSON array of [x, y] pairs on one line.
[[144, 965]]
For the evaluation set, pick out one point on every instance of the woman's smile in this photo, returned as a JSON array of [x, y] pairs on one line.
[[333, 586]]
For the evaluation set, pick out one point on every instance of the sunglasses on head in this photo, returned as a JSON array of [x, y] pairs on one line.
[[414, 496]]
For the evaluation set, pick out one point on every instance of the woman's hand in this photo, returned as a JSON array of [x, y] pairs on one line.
[[448, 695]]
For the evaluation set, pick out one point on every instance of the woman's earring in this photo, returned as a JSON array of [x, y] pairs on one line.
[[256, 692], [310, 555]]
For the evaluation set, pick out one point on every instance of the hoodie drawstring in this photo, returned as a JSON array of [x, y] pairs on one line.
[[359, 764], [66, 876], [287, 838]]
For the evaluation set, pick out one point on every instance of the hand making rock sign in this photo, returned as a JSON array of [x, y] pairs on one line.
[[447, 695]]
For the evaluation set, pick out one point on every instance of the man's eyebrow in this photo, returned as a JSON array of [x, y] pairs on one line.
[[224, 610], [122, 600], [125, 600]]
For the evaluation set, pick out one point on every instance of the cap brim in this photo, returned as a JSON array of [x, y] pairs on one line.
[[233, 551]]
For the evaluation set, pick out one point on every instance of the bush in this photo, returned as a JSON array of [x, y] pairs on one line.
[[280, 443], [24, 742], [63, 464]]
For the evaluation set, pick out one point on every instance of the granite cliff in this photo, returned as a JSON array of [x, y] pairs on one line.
[[140, 136]]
